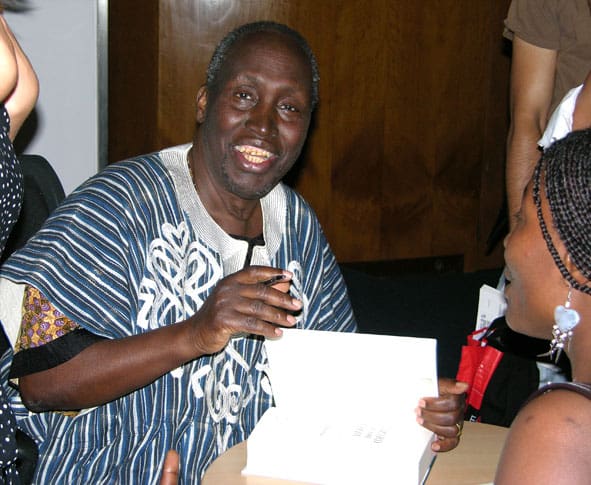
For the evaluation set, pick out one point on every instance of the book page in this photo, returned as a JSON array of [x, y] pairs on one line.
[[343, 401], [491, 305]]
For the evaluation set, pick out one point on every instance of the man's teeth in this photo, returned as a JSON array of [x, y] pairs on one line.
[[253, 154]]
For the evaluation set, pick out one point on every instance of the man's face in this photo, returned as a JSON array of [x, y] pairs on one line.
[[255, 124]]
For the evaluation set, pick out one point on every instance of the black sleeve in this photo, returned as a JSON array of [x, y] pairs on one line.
[[52, 354]]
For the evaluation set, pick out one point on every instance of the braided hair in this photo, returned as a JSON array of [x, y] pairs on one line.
[[566, 169]]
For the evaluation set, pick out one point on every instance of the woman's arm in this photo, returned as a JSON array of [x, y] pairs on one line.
[[548, 442], [8, 64], [19, 87], [532, 84], [582, 113]]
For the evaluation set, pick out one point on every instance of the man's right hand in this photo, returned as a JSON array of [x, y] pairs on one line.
[[245, 302]]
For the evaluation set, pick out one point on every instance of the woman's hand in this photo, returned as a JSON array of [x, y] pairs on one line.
[[444, 415]]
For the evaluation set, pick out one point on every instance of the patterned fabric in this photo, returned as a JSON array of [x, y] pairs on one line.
[[42, 322], [131, 250], [11, 181], [11, 199]]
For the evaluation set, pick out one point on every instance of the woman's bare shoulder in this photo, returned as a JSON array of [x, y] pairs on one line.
[[558, 407], [548, 441]]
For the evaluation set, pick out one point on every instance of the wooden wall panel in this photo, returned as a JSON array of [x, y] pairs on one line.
[[133, 78], [405, 155], [356, 87], [492, 175]]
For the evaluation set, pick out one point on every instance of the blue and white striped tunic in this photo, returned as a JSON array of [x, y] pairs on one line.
[[131, 250]]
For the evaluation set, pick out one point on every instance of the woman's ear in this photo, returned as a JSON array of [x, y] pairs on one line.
[[574, 271], [201, 104]]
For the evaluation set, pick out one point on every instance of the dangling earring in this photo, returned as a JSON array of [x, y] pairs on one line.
[[566, 320]]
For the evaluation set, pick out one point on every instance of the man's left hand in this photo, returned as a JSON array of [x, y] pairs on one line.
[[444, 415]]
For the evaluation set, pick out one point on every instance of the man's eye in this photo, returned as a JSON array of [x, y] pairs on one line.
[[243, 96], [289, 107]]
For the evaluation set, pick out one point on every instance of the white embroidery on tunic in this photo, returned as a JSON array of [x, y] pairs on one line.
[[224, 395], [179, 275], [297, 291], [175, 281]]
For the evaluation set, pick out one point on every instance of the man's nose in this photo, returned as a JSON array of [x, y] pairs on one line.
[[262, 120]]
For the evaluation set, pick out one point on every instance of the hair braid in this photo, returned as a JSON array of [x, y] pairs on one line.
[[566, 167]]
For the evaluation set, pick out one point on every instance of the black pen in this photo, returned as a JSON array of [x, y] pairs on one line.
[[273, 280]]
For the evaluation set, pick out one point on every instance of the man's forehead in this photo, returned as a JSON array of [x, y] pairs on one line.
[[265, 40], [258, 46]]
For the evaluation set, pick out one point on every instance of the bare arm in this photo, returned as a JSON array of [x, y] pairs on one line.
[[582, 114], [532, 84], [548, 442], [20, 88], [8, 64], [109, 369]]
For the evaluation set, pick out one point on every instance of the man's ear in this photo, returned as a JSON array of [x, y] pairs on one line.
[[201, 104]]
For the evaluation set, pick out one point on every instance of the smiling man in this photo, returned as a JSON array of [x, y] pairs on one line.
[[148, 294]]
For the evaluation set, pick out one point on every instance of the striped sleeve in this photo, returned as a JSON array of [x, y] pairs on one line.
[[95, 240], [327, 300]]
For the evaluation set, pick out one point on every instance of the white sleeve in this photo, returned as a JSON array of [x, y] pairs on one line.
[[560, 123], [11, 304]]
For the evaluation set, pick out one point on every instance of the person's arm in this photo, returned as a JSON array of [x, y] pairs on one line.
[[532, 84], [548, 442], [19, 86], [109, 369], [582, 113], [8, 64]]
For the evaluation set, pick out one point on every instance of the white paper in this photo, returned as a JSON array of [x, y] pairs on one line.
[[491, 305], [345, 409], [11, 303]]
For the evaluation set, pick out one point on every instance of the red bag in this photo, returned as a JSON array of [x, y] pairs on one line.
[[477, 365]]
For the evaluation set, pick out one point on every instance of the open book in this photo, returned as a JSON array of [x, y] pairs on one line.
[[344, 409]]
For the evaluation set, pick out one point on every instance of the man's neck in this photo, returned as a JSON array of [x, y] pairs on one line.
[[233, 214]]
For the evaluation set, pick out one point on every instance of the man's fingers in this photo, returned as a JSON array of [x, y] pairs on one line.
[[266, 275], [170, 470]]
